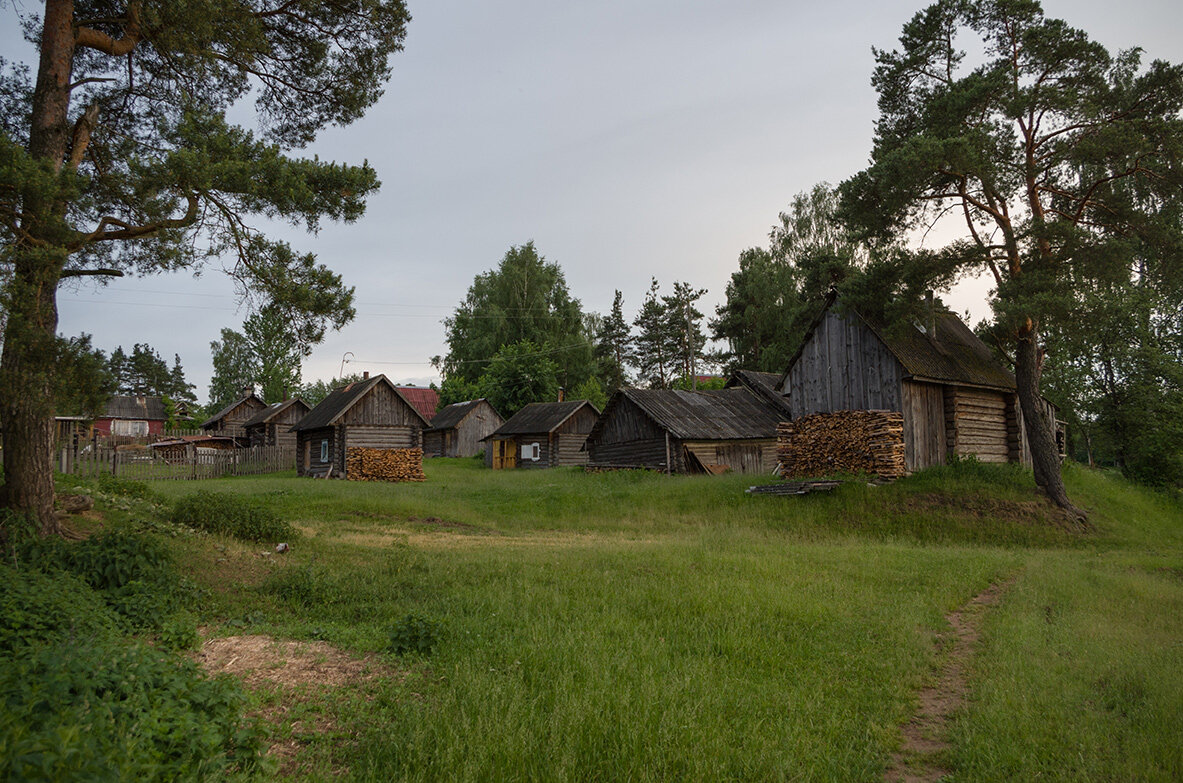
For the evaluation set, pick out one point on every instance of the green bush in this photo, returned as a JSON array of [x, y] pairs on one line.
[[134, 574], [113, 485], [178, 633], [39, 608], [98, 712], [414, 634], [231, 515]]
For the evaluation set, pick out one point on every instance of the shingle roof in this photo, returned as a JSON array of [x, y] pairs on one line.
[[129, 406], [340, 400], [451, 415], [422, 398], [715, 414], [271, 411], [763, 384], [541, 417], [222, 413]]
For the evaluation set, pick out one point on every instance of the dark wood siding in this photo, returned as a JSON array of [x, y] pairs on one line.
[[924, 425], [377, 437], [977, 423], [843, 366], [754, 457], [629, 438], [308, 444], [382, 407], [479, 423]]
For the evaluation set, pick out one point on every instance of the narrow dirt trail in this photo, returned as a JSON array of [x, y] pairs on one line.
[[925, 736]]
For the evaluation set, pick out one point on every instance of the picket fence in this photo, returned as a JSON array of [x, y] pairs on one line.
[[148, 464]]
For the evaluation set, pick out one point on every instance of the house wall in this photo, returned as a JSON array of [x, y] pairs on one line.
[[382, 407], [843, 366], [923, 406], [308, 451], [480, 422], [753, 457], [629, 438], [981, 422], [433, 443], [544, 450], [568, 448], [380, 437], [104, 426], [231, 423]]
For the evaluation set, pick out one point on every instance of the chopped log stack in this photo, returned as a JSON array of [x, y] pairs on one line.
[[842, 442], [384, 464]]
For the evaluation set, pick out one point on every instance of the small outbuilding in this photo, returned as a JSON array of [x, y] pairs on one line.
[[955, 397], [272, 426], [676, 431], [370, 413], [542, 435], [230, 420], [458, 429], [131, 415]]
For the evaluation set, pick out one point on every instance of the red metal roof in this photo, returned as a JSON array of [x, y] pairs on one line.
[[425, 399]]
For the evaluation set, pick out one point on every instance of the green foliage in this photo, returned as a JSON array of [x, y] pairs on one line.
[[39, 607], [415, 634], [122, 487], [113, 712], [266, 354], [231, 515], [525, 299], [456, 389], [520, 373], [82, 383], [178, 633], [590, 390]]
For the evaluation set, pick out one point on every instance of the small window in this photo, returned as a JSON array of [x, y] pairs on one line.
[[324, 451], [531, 451]]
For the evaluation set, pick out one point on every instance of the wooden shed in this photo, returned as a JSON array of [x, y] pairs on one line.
[[230, 420], [371, 413], [542, 435], [458, 429], [677, 431], [272, 426], [956, 398]]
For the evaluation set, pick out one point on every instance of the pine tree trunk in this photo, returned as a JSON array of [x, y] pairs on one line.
[[1040, 428], [30, 346]]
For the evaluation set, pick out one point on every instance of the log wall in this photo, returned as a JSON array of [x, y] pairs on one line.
[[982, 423]]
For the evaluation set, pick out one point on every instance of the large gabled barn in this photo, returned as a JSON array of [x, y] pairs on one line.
[[956, 398], [542, 435], [677, 431], [458, 429], [370, 413]]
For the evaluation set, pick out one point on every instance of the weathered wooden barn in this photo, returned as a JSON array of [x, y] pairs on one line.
[[133, 416], [371, 413], [272, 426], [458, 429], [230, 420], [677, 431], [542, 435], [956, 398], [765, 385]]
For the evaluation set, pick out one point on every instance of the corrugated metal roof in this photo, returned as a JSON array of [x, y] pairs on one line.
[[220, 414], [541, 417], [271, 411], [340, 400], [422, 398], [129, 406], [451, 415], [716, 414]]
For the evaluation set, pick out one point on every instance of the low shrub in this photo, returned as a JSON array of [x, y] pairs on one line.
[[231, 515], [109, 711], [178, 633], [414, 634], [41, 608], [113, 485]]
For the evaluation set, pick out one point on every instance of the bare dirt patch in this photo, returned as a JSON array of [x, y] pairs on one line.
[[925, 736], [297, 674]]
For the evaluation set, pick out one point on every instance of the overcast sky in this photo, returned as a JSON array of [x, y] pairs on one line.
[[626, 139]]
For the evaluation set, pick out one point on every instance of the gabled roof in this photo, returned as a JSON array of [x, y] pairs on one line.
[[423, 399], [451, 415], [130, 406], [762, 384], [954, 354], [222, 413], [339, 401], [273, 410], [715, 414], [540, 417]]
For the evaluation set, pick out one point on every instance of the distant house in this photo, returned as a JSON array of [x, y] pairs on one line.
[[133, 416], [542, 435], [272, 426], [457, 429], [955, 397], [678, 431], [370, 413], [424, 399], [230, 420]]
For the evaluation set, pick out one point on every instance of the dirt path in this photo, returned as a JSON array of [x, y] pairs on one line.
[[925, 736]]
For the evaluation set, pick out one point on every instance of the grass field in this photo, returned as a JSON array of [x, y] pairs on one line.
[[635, 626]]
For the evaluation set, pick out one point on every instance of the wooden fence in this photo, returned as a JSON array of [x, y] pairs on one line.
[[143, 464]]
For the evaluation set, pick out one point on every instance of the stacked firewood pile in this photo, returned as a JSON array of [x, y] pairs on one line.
[[842, 442], [384, 464]]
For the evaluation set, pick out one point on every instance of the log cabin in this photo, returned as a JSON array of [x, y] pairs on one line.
[[542, 435], [370, 413], [272, 426], [677, 431], [230, 420], [956, 398], [457, 430]]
